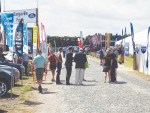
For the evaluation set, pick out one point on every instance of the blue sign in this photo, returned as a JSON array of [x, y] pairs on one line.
[[25, 40], [137, 49], [126, 49], [143, 49]]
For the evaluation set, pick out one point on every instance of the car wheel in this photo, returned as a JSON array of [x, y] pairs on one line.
[[3, 87]]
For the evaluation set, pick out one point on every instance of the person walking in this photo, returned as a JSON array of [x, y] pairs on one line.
[[101, 56], [52, 59], [68, 65], [59, 65], [39, 62], [80, 59], [25, 61], [116, 62], [16, 57], [107, 63]]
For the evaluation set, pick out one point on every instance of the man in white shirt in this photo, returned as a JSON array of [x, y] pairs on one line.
[[16, 57]]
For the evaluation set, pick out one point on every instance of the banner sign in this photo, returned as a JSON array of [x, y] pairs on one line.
[[81, 36], [44, 34], [132, 35], [34, 37], [19, 37], [30, 40], [143, 49], [25, 39], [7, 22], [147, 46], [126, 49], [29, 15]]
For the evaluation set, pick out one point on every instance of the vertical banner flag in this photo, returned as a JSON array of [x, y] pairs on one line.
[[147, 46], [39, 37], [34, 37], [7, 22], [42, 32], [81, 36], [121, 43], [125, 35], [30, 40], [19, 37], [79, 43], [132, 35], [25, 39], [45, 34], [116, 38]]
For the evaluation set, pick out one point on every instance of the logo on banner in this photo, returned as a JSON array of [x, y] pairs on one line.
[[137, 50], [143, 49], [32, 15]]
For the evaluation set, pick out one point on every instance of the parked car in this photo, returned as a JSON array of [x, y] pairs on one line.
[[20, 67], [5, 81], [97, 54], [16, 72]]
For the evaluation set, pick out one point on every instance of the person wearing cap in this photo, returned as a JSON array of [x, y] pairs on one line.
[[68, 65], [59, 65], [80, 59], [52, 65], [39, 62]]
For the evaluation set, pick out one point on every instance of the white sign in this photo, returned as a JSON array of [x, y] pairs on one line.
[[29, 15]]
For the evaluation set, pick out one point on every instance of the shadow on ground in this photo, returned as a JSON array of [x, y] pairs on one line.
[[90, 81], [118, 82], [8, 96], [18, 85], [47, 83], [43, 89], [49, 92], [30, 103], [3, 111]]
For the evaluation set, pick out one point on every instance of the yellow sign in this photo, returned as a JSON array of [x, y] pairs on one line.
[[34, 37]]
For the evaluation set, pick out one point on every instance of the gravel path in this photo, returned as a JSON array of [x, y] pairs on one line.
[[128, 95]]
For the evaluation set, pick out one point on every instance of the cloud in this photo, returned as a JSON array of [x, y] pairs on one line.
[[69, 17]]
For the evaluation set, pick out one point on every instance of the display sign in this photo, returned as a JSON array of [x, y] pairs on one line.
[[25, 39], [127, 49], [143, 49], [30, 40], [137, 49], [34, 37], [29, 15]]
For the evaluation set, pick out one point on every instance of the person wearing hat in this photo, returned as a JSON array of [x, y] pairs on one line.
[[59, 65], [68, 64], [52, 65], [80, 59], [39, 62]]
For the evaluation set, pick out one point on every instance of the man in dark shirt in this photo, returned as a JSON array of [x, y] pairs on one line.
[[68, 64]]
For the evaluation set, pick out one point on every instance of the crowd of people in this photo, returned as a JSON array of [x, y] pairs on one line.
[[56, 61]]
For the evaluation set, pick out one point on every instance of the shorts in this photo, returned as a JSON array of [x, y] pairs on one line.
[[53, 67], [106, 68], [39, 73], [101, 57]]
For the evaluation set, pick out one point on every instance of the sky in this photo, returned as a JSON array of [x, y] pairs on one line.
[[69, 17]]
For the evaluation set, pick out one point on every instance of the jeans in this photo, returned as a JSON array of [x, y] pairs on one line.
[[68, 69], [59, 66], [25, 64]]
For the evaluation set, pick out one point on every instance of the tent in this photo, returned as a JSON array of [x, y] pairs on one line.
[[140, 40]]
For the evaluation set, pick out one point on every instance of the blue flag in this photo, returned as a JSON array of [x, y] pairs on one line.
[[116, 38], [7, 22], [25, 39], [132, 35], [147, 46], [121, 43]]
